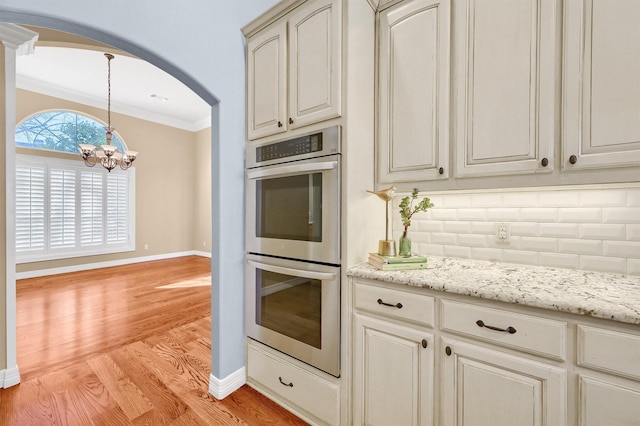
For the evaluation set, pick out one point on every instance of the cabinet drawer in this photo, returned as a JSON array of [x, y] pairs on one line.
[[609, 351], [393, 303], [525, 332], [306, 391]]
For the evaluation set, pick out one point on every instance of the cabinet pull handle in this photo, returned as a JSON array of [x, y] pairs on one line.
[[545, 162], [573, 159], [509, 329], [286, 384], [424, 343], [290, 120], [279, 123], [441, 170], [397, 305], [447, 350]]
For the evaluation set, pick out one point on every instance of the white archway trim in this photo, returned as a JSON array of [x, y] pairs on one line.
[[16, 41]]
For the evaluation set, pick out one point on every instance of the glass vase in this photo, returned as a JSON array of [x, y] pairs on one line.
[[404, 245]]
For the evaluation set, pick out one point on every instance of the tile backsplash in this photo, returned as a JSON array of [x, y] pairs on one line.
[[593, 228]]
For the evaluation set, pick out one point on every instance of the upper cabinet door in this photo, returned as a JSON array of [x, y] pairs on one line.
[[314, 62], [504, 86], [266, 82], [413, 92], [601, 96]]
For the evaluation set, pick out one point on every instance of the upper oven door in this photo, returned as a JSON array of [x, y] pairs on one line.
[[293, 210]]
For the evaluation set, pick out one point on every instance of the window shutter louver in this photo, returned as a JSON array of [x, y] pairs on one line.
[[63, 208], [91, 208], [117, 209], [30, 208]]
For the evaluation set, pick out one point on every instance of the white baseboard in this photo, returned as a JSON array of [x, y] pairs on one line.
[[97, 265], [223, 388], [10, 377]]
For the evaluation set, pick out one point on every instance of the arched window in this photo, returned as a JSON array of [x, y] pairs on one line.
[[62, 131]]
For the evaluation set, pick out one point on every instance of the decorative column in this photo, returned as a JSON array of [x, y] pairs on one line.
[[16, 41]]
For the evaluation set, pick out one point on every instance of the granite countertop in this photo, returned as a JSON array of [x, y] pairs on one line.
[[600, 295]]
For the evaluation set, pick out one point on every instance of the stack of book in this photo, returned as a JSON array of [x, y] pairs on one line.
[[397, 263]]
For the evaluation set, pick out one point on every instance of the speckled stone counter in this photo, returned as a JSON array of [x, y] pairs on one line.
[[610, 296]]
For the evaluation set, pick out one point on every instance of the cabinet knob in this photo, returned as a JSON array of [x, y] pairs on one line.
[[573, 159], [441, 170], [424, 343], [448, 350], [545, 162], [279, 123], [290, 120]]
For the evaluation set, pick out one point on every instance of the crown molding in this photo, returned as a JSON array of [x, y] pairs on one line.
[[16, 37]]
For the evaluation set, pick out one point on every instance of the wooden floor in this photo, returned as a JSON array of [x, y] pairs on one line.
[[116, 346]]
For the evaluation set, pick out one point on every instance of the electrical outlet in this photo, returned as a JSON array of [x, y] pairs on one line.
[[146, 246], [204, 243], [502, 232]]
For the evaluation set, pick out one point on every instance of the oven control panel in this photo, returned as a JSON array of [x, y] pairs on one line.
[[290, 148]]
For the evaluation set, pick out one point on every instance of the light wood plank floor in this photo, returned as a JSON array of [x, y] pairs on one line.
[[108, 347]]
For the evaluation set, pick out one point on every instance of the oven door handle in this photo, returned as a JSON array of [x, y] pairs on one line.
[[291, 169], [295, 272]]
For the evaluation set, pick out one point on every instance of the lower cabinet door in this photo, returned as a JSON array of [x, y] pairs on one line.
[[481, 386], [393, 374], [603, 403]]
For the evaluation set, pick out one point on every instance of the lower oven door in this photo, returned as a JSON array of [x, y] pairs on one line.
[[294, 307]]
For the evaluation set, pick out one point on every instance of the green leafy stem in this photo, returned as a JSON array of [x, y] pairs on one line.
[[407, 209]]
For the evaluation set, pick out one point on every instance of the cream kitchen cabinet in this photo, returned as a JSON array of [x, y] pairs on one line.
[[294, 69], [601, 84], [413, 91], [504, 73], [393, 372]]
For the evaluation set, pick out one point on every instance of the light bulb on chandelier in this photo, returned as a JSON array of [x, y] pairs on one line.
[[107, 154]]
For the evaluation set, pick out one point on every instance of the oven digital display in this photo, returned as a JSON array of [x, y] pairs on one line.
[[290, 148]]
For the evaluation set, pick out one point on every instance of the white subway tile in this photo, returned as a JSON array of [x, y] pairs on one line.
[[621, 215], [588, 247], [472, 214], [486, 200], [603, 264], [428, 225], [493, 242], [529, 229], [520, 256], [633, 266], [472, 240], [592, 231], [419, 237], [560, 230], [627, 249], [454, 201], [444, 238], [431, 249], [559, 260], [633, 232], [457, 251], [442, 214], [603, 198], [457, 227], [486, 254], [436, 200], [538, 244], [633, 197], [486, 228], [536, 214], [520, 199], [580, 215], [503, 215], [562, 198]]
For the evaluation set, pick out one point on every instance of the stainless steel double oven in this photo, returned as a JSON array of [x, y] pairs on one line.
[[293, 247]]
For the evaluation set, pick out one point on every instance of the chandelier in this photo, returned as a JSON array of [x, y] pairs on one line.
[[107, 154]]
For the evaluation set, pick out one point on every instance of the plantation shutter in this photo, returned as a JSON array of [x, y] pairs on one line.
[[91, 208], [62, 208], [117, 208], [30, 208]]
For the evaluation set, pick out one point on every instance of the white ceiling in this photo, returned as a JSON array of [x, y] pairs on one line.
[[80, 75]]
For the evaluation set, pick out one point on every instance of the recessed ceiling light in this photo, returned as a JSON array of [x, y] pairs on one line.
[[159, 98]]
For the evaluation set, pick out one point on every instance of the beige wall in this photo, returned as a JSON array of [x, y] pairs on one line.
[[172, 184]]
